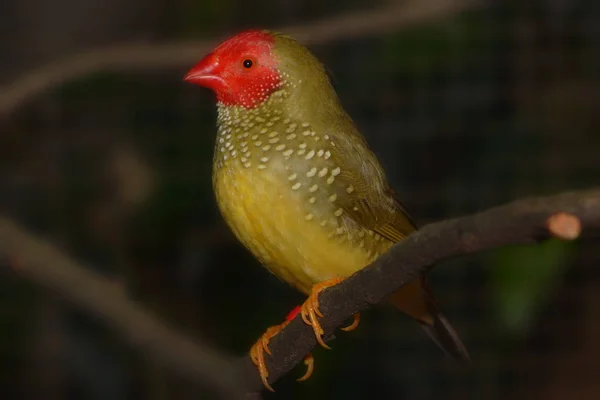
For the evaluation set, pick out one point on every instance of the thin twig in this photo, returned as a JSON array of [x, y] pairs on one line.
[[524, 221], [43, 264], [153, 56]]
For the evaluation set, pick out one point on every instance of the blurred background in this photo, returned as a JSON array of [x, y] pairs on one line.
[[485, 103]]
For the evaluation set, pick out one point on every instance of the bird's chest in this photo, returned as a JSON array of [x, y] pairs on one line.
[[283, 207]]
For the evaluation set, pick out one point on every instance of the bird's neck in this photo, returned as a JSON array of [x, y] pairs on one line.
[[245, 133]]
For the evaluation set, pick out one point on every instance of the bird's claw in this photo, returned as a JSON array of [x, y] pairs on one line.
[[310, 311], [258, 350]]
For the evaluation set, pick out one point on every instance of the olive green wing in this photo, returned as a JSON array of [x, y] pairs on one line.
[[368, 200]]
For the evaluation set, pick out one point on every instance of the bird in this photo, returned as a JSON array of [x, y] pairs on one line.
[[297, 183]]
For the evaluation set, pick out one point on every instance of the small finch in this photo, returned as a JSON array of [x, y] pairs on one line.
[[297, 183]]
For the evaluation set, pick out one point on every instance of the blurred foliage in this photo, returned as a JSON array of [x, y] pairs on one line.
[[523, 279]]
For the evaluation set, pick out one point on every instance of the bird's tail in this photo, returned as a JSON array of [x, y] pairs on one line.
[[416, 300]]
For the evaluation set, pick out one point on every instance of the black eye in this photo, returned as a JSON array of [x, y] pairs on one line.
[[247, 63]]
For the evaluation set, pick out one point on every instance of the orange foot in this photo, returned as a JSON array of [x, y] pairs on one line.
[[310, 310], [258, 350]]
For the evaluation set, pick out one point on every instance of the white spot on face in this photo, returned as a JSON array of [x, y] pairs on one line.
[[261, 166], [313, 188], [274, 140], [350, 189], [336, 171], [266, 147], [264, 159], [273, 134], [291, 136], [332, 198], [330, 180], [312, 200], [306, 133], [338, 212], [323, 172], [280, 147], [302, 145], [310, 155], [320, 153], [258, 143]]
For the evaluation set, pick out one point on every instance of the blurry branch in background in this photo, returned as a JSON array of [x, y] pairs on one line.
[[393, 15], [525, 221], [41, 263]]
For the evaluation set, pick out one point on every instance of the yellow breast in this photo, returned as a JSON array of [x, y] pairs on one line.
[[276, 225]]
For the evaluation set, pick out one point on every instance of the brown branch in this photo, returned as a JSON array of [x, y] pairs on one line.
[[39, 262], [521, 222], [145, 57], [524, 221]]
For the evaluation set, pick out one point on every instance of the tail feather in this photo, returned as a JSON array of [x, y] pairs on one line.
[[444, 335], [416, 300]]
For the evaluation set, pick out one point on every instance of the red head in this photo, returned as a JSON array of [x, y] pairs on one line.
[[242, 71]]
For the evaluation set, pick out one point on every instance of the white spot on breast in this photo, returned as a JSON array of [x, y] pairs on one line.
[[336, 171], [327, 155], [266, 147], [312, 200], [296, 186], [332, 198], [261, 166], [350, 189], [310, 155], [258, 143], [313, 188], [264, 159], [274, 140], [338, 212], [323, 172], [312, 172], [292, 176], [288, 153], [330, 180], [308, 217], [280, 147]]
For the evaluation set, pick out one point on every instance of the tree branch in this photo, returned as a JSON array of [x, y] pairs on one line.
[[145, 57], [524, 221]]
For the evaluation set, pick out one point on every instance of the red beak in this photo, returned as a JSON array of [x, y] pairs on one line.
[[206, 73]]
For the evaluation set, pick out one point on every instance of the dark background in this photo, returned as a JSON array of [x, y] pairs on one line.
[[465, 111]]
